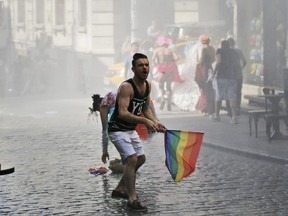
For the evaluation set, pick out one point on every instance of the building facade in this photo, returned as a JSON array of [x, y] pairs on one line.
[[262, 35], [83, 37]]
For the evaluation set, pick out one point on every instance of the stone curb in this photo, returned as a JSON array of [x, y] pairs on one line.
[[250, 154]]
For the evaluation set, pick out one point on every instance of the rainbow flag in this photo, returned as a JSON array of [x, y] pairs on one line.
[[181, 150]]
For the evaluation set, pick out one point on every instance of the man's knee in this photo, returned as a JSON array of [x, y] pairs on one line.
[[141, 159], [132, 160]]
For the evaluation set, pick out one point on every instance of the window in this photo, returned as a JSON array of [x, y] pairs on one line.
[[40, 11], [59, 12], [21, 11], [82, 13]]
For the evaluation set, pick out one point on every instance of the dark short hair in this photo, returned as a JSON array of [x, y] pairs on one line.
[[96, 102], [231, 41], [225, 44], [137, 56]]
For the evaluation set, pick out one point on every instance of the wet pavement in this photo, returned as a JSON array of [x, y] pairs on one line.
[[52, 144]]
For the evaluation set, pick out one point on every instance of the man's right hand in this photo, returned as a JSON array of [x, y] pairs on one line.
[[105, 156], [151, 126]]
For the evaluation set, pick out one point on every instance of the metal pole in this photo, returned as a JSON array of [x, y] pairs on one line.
[[133, 21], [235, 20]]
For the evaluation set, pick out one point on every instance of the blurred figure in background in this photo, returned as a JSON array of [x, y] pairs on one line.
[[226, 69], [206, 102], [185, 95], [164, 60], [134, 48], [153, 31], [125, 48], [242, 62]]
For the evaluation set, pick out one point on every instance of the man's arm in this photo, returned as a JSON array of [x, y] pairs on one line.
[[150, 115]]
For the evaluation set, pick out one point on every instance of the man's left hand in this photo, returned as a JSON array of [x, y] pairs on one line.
[[161, 128]]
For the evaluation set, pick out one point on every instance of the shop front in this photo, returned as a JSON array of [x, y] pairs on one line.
[[262, 36]]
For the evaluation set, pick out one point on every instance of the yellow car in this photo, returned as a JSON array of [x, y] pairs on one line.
[[114, 76]]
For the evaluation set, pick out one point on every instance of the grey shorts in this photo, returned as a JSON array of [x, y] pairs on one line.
[[127, 143], [226, 89]]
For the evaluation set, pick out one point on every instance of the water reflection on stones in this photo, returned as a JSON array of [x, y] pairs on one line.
[[51, 178]]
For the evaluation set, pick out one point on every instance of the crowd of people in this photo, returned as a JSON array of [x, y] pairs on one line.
[[203, 79]]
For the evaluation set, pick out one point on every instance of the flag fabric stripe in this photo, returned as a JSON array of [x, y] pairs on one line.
[[171, 157], [181, 150], [175, 140], [180, 153], [187, 154]]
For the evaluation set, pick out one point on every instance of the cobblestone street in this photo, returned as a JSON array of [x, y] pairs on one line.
[[52, 145]]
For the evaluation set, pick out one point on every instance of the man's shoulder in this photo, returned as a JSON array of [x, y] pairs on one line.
[[125, 89], [126, 84]]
